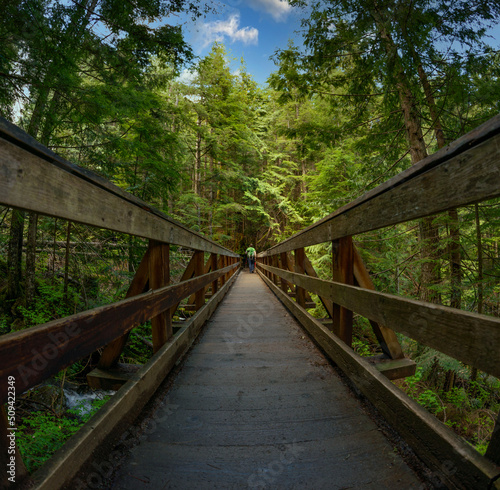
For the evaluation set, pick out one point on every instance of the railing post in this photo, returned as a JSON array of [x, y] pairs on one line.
[[215, 284], [111, 353], [284, 266], [222, 264], [300, 269], [159, 276], [199, 270], [274, 259], [342, 264]]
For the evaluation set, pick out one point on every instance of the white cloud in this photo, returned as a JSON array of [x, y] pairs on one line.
[[220, 30], [186, 76], [278, 9]]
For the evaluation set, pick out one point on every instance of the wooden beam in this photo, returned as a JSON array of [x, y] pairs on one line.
[[187, 274], [159, 276], [284, 265], [34, 354], [207, 269], [299, 268], [111, 353], [215, 284], [456, 463], [274, 262], [113, 378], [386, 337], [222, 264], [199, 267], [469, 337], [493, 451], [394, 368], [328, 305], [342, 269], [464, 172], [56, 188], [100, 434]]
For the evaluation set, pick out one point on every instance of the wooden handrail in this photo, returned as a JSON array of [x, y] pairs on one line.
[[464, 172], [458, 333], [35, 179], [34, 354]]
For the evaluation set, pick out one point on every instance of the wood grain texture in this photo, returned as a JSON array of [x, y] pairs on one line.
[[457, 463], [342, 271], [253, 389], [214, 267], [299, 255], [471, 338], [159, 276], [99, 434], [35, 354], [199, 268], [140, 284], [465, 172], [30, 182], [327, 303]]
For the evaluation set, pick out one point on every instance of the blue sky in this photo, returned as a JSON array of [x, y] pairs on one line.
[[250, 29], [254, 30]]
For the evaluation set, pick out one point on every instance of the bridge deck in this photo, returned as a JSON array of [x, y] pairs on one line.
[[257, 405]]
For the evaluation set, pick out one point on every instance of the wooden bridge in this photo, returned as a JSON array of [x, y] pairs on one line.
[[256, 403]]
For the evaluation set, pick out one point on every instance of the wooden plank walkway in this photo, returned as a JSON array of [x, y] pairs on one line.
[[256, 405]]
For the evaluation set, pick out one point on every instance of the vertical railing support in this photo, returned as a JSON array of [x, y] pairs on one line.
[[222, 264], [300, 269], [215, 284], [274, 263], [159, 276], [284, 266], [342, 264], [199, 270]]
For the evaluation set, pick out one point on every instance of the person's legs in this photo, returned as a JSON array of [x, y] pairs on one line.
[[251, 264]]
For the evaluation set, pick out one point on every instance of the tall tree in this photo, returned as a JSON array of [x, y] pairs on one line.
[[365, 48]]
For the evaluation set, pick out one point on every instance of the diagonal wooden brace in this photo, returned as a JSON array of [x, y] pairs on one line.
[[386, 337], [140, 284]]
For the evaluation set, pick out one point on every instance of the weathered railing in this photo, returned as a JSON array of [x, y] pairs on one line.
[[35, 179], [465, 172]]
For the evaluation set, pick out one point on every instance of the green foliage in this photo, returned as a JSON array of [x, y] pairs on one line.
[[41, 434], [50, 303]]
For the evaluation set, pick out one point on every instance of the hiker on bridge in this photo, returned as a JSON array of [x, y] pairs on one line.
[[251, 254]]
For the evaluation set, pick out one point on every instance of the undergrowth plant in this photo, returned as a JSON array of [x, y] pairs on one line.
[[42, 433]]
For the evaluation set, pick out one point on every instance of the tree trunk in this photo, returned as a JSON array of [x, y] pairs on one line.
[[480, 292], [66, 263], [429, 233], [197, 161], [454, 224], [31, 259], [15, 252]]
